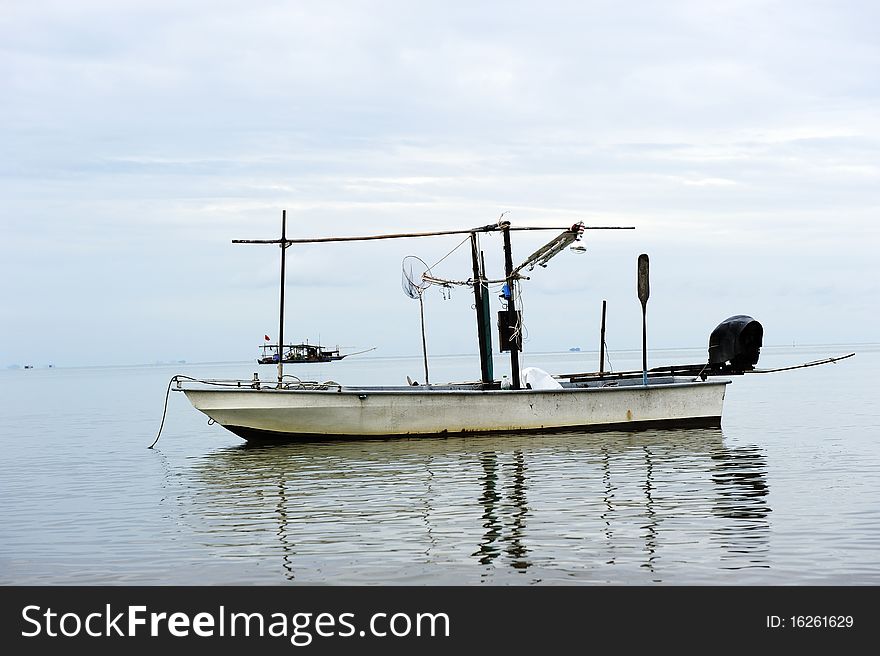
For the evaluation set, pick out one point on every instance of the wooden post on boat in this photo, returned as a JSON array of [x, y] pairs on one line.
[[602, 341], [644, 292], [281, 311], [487, 320], [481, 305], [511, 305], [424, 340]]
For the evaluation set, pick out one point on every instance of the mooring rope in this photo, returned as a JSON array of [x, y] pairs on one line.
[[164, 412]]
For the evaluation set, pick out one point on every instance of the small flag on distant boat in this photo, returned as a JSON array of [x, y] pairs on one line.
[[266, 337]]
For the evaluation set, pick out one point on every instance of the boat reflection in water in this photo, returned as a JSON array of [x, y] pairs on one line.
[[504, 510], [653, 506]]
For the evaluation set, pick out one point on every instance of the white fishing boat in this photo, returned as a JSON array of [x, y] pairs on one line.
[[329, 410], [287, 408]]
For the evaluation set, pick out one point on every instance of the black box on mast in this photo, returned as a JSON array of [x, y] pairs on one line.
[[509, 333]]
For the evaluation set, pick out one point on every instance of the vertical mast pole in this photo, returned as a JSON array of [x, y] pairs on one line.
[[424, 341], [482, 329], [511, 304], [281, 304], [602, 341], [487, 320]]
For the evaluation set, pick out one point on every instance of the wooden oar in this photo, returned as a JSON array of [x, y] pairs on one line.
[[644, 292]]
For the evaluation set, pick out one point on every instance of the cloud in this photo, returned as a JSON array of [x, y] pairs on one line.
[[741, 139]]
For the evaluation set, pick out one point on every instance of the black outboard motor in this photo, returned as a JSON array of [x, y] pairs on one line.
[[735, 344]]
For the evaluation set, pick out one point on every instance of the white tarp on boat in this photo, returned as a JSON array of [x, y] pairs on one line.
[[538, 379]]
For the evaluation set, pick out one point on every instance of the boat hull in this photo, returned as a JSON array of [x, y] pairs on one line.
[[277, 415]]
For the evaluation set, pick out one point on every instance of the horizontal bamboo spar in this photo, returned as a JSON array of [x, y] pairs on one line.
[[315, 240]]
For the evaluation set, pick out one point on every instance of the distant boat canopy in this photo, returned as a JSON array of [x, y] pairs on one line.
[[294, 353]]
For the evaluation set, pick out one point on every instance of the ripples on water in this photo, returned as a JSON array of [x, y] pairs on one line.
[[760, 501]]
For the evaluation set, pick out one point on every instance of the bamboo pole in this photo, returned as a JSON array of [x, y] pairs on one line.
[[408, 235]]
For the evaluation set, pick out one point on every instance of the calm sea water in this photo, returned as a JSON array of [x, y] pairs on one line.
[[786, 492]]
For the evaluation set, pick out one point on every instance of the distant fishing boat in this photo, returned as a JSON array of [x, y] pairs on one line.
[[288, 408], [300, 353]]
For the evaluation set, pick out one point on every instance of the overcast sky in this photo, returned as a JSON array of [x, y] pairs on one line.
[[139, 138]]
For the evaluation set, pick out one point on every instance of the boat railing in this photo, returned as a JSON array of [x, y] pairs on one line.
[[289, 382]]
